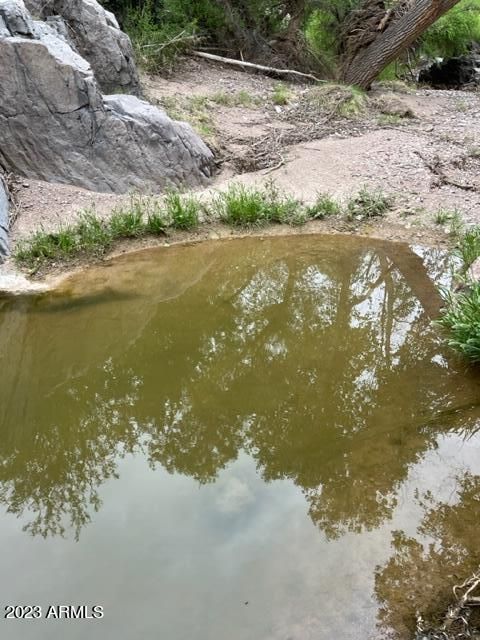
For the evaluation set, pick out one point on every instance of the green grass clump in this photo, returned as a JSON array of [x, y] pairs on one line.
[[323, 207], [47, 246], [183, 212], [442, 216], [452, 218], [156, 224], [126, 223], [281, 207], [461, 318], [242, 206], [368, 204], [93, 234], [468, 248], [281, 94]]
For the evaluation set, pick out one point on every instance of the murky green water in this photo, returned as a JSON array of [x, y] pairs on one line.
[[249, 440]]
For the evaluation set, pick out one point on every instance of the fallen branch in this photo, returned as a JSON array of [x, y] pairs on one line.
[[457, 623], [274, 168], [180, 38], [258, 67], [435, 167]]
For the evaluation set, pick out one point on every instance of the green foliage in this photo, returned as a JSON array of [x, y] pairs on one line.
[[453, 33], [461, 315], [157, 43], [461, 318], [162, 29], [368, 204], [323, 31], [156, 224]]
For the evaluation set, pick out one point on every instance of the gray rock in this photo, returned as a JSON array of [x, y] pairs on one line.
[[94, 33], [57, 126], [453, 72], [4, 205], [15, 19]]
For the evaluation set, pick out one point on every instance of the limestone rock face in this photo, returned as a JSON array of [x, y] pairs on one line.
[[57, 126], [3, 220], [95, 34]]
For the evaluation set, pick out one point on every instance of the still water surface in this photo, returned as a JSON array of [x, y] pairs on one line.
[[247, 440]]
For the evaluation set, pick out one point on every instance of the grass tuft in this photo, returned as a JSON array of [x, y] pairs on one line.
[[281, 94], [126, 223], [339, 99], [323, 207], [468, 248], [242, 206], [368, 204], [183, 212], [461, 318]]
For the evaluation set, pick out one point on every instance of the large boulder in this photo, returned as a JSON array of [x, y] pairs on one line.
[[95, 34], [453, 73], [3, 219], [57, 126]]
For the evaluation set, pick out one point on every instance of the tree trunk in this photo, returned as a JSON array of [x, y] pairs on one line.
[[398, 35]]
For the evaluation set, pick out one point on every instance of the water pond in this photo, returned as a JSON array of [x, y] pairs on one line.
[[243, 440]]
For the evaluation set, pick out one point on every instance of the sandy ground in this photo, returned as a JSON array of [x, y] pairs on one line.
[[427, 162]]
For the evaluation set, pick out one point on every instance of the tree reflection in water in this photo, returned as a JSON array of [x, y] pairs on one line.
[[422, 571], [317, 358]]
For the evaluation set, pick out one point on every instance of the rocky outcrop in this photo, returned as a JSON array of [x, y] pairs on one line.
[[95, 34], [3, 219], [453, 73], [57, 126]]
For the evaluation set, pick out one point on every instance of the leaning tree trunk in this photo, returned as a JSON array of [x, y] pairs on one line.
[[393, 38]]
